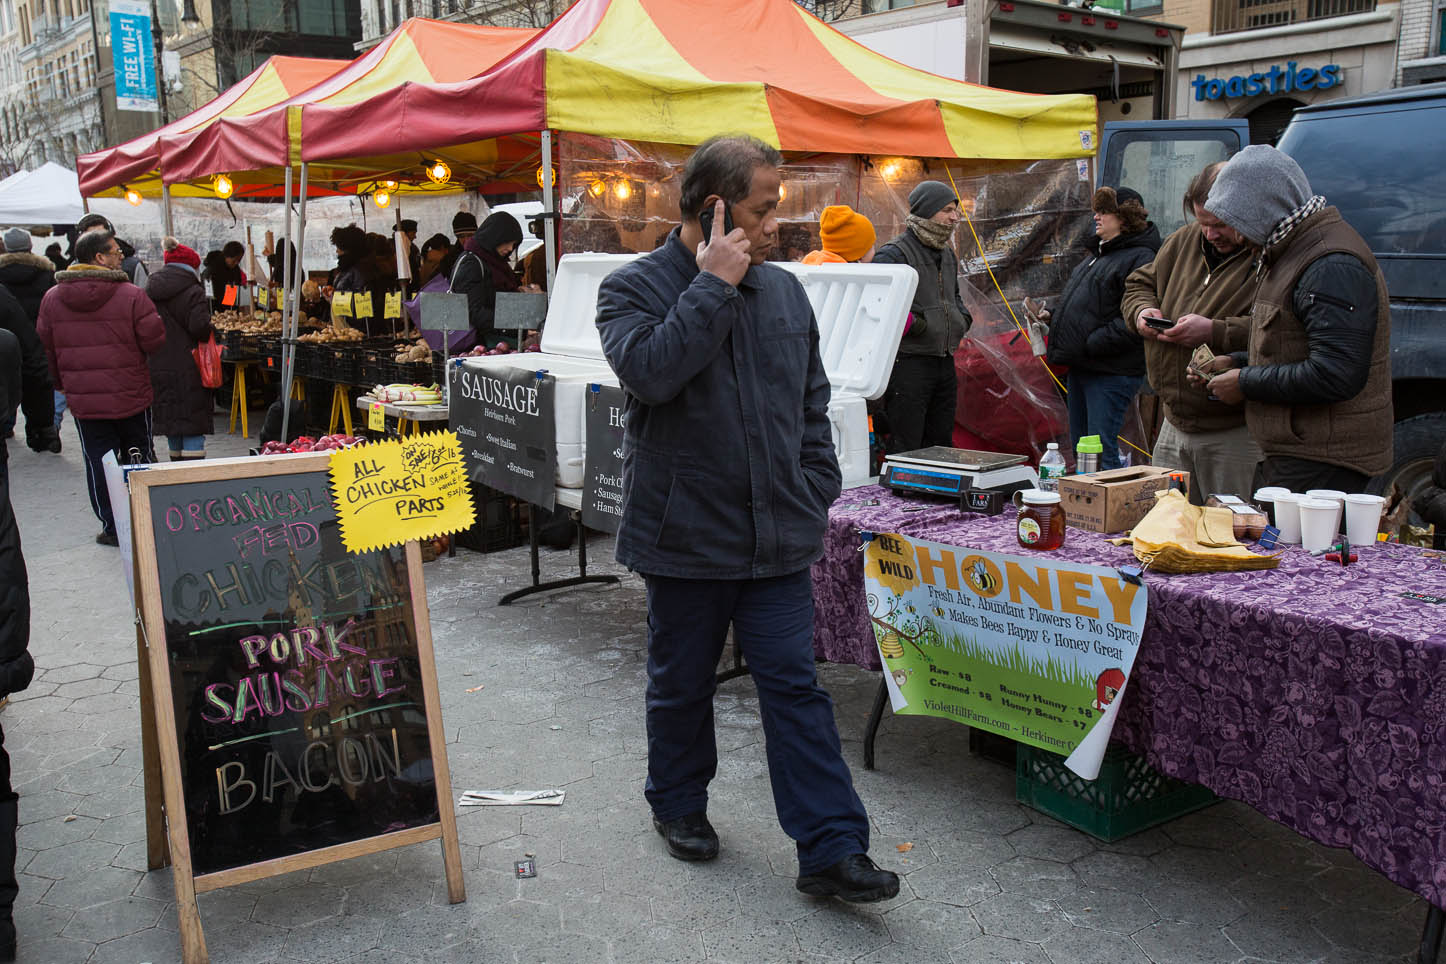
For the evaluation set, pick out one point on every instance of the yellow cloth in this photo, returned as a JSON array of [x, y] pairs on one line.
[[1176, 536], [845, 232]]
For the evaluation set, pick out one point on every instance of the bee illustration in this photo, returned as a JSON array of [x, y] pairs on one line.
[[980, 578], [939, 612]]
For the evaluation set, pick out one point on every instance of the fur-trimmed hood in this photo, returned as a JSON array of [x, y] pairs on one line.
[[26, 259], [90, 274]]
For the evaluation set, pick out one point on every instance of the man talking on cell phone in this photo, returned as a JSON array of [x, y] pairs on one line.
[[728, 473]]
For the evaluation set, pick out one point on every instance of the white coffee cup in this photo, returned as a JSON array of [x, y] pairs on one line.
[[1287, 518], [1331, 495], [1363, 518], [1317, 521]]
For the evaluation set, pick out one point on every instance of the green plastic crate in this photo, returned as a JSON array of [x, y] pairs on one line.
[[1128, 796]]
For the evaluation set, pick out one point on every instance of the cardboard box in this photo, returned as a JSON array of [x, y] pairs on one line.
[[1113, 500]]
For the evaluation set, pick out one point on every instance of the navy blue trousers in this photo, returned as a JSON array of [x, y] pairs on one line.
[[772, 621], [1097, 406]]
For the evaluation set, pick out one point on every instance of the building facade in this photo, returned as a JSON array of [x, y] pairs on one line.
[[1261, 59], [49, 107]]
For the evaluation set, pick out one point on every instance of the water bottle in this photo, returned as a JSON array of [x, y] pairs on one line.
[[1051, 467], [1087, 453]]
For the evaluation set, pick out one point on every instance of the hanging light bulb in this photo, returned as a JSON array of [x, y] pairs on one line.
[[783, 190], [540, 182], [439, 172], [222, 186], [622, 189], [387, 185], [596, 188], [890, 170], [133, 197], [382, 198]]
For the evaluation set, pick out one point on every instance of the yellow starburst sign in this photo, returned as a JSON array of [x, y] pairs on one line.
[[396, 491]]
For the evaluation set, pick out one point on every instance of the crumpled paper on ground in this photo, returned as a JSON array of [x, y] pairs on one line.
[[1177, 537]]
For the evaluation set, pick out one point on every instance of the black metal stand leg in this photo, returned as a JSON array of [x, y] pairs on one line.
[[1431, 935], [876, 716], [738, 669], [537, 584]]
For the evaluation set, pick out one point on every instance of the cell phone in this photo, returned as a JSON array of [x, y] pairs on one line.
[[1159, 324], [705, 218]]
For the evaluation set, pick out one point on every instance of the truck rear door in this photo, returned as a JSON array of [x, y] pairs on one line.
[[1158, 159]]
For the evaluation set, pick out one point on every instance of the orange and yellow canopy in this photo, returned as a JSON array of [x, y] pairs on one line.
[[667, 71]]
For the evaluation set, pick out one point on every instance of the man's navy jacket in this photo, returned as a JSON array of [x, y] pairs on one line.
[[728, 459]]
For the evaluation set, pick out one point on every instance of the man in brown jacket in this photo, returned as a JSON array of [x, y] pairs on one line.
[[1199, 283], [1316, 378]]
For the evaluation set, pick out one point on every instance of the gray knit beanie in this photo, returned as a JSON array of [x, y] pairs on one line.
[[930, 197], [1256, 190], [17, 239]]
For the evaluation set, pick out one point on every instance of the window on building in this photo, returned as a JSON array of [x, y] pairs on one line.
[[1440, 45], [323, 17]]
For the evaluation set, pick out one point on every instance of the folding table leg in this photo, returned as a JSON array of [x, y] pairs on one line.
[[1431, 935], [876, 716]]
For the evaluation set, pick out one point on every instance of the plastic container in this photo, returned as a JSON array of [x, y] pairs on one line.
[[1287, 517], [1087, 454], [1332, 495], [1128, 796], [1041, 520], [1363, 518], [1317, 524], [1051, 467]]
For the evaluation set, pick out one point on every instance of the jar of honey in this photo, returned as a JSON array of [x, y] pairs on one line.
[[1041, 519]]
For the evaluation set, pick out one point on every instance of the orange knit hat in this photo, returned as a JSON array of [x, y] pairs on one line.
[[845, 232]]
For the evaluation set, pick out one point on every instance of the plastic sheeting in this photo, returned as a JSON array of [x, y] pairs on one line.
[[1030, 218]]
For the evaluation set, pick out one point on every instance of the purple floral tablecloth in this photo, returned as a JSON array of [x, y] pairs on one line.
[[1314, 693]]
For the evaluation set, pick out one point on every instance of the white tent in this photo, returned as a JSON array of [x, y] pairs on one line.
[[50, 194]]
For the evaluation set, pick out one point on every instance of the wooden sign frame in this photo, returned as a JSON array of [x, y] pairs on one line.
[[167, 831]]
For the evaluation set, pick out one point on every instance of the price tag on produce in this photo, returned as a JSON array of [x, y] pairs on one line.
[[377, 417], [363, 304], [393, 307], [263, 297], [341, 304], [228, 296]]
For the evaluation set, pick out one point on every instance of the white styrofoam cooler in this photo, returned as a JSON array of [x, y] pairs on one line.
[[860, 310], [571, 352]]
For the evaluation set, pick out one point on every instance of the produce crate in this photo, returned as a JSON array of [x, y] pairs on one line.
[[1129, 795], [373, 363], [339, 363], [307, 362], [269, 351], [414, 373], [498, 525]]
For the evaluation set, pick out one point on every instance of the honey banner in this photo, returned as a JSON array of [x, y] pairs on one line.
[[1029, 648], [396, 491]]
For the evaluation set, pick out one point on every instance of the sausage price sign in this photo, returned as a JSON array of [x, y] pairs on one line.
[[1032, 649]]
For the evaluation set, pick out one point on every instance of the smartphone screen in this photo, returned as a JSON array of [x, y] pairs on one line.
[[705, 218]]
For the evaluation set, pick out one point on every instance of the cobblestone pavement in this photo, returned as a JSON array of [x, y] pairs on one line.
[[986, 880]]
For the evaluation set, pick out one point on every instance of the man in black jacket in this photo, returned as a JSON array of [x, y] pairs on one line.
[[922, 392], [27, 277], [16, 666], [1316, 379], [729, 470]]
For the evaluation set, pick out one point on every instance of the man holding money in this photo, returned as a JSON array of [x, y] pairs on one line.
[[1195, 297]]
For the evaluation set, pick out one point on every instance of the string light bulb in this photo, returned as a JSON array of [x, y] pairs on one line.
[[783, 190], [133, 197], [622, 189], [890, 170], [222, 186], [439, 172], [540, 182], [387, 185], [596, 188], [382, 198]]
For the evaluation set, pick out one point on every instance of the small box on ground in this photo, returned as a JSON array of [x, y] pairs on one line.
[[1115, 499], [498, 525], [1128, 796]]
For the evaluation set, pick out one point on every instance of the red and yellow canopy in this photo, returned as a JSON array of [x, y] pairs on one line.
[[134, 164], [667, 71]]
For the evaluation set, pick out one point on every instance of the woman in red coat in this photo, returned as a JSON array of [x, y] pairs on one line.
[[183, 407]]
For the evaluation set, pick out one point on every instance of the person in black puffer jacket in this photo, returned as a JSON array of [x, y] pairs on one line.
[[355, 271], [1106, 357], [28, 277], [16, 666], [481, 271], [183, 407], [222, 270]]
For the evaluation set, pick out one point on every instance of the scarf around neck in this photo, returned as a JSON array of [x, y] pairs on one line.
[[1288, 223], [931, 233]]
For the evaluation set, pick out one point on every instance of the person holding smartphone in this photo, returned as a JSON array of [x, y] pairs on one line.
[[728, 473], [1196, 292]]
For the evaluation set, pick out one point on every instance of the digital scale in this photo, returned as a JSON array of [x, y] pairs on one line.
[[968, 476]]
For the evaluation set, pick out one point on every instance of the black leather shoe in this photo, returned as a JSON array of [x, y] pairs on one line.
[[690, 837], [855, 878], [107, 539]]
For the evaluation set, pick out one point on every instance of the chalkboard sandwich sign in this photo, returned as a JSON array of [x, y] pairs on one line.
[[290, 709]]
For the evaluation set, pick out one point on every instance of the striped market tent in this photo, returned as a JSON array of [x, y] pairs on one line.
[[135, 163], [662, 71]]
